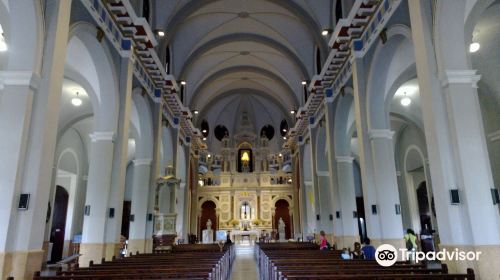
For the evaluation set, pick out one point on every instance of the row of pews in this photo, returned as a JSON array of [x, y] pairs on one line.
[[187, 261], [282, 261]]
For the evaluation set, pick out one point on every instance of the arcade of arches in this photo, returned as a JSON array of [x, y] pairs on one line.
[[129, 119]]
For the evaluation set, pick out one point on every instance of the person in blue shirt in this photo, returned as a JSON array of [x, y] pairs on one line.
[[368, 250]]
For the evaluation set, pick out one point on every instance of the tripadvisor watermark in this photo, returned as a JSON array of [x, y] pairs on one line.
[[387, 255]]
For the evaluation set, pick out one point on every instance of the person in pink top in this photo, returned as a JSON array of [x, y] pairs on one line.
[[323, 243]]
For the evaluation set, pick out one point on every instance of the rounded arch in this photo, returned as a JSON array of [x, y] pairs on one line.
[[90, 63], [291, 97], [395, 56], [174, 23], [208, 199], [24, 30], [73, 156], [144, 144], [246, 37], [282, 197]]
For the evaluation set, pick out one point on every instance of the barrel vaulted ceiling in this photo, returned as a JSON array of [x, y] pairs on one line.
[[252, 52]]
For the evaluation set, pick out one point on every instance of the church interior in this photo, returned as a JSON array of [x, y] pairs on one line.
[[230, 139]]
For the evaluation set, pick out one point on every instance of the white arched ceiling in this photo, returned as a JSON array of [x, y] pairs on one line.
[[392, 65], [141, 119], [68, 113], [224, 47], [89, 64]]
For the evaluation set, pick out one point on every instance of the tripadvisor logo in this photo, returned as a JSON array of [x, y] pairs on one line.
[[387, 255]]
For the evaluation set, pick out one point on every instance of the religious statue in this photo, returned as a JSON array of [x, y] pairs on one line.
[[208, 234], [281, 229]]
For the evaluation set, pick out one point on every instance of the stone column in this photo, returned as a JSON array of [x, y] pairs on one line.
[[187, 193], [347, 198], [373, 227], [382, 148], [338, 223], [98, 190], [315, 223], [115, 200], [139, 207], [156, 167], [456, 146], [29, 131]]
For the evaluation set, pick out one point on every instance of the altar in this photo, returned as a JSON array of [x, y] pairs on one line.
[[240, 234]]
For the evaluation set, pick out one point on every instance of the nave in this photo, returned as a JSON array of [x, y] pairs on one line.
[[136, 125]]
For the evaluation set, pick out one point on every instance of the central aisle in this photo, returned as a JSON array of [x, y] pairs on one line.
[[245, 266]]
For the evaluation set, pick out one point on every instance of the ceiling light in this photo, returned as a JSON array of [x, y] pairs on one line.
[[204, 138], [280, 155], [196, 112], [474, 47], [76, 101], [204, 131], [160, 33], [304, 83], [405, 101], [3, 44], [183, 83], [284, 129], [292, 112], [284, 137], [325, 32], [209, 155]]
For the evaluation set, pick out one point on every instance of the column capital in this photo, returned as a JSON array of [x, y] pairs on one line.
[[142, 161], [19, 78], [344, 159], [495, 136], [460, 77], [102, 136], [380, 133]]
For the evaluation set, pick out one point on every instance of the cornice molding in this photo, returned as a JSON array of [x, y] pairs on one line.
[[19, 78], [380, 133], [495, 136], [142, 161], [460, 77], [102, 136], [344, 159]]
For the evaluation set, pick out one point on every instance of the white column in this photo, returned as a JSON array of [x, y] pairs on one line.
[[98, 190], [139, 207], [386, 183], [15, 104], [334, 175], [314, 177], [347, 197], [365, 156], [115, 200]]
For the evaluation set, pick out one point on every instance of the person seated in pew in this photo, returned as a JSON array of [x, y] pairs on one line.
[[323, 242], [357, 253], [345, 254], [368, 250]]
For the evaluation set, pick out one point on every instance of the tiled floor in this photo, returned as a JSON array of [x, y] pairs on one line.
[[245, 266]]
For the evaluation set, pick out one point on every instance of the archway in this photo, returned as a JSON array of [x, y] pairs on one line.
[[208, 212], [59, 224], [423, 206], [282, 210]]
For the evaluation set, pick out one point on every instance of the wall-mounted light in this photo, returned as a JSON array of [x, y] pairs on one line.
[[405, 101], [284, 130], [326, 31], [204, 138], [280, 155], [160, 32], [76, 101], [304, 83], [183, 83], [209, 156], [204, 131], [196, 112], [292, 112], [284, 137]]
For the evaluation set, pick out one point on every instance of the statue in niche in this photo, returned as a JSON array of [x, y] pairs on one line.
[[263, 139], [209, 224], [281, 229], [225, 139]]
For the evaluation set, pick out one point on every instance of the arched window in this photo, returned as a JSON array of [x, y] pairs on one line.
[[205, 128], [268, 131], [283, 127], [145, 10], [338, 10], [167, 59], [318, 61]]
